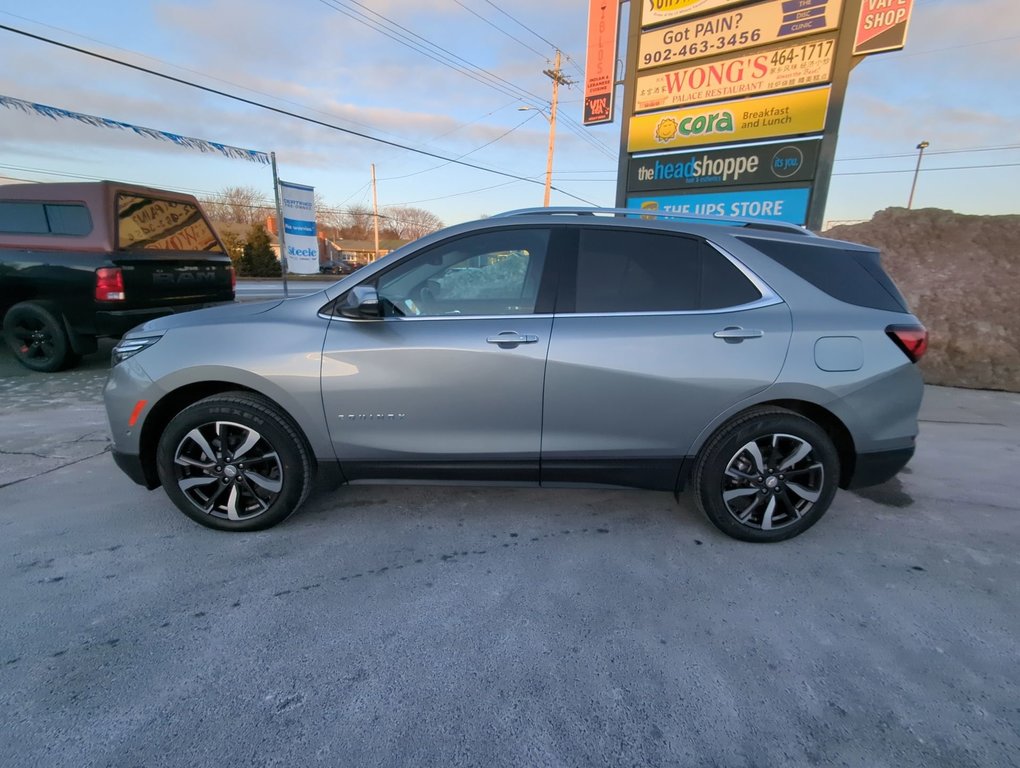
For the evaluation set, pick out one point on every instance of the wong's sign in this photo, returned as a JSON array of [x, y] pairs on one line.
[[772, 69], [747, 27], [791, 161], [765, 117]]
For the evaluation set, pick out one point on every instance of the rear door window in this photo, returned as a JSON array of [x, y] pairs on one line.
[[629, 270], [150, 223]]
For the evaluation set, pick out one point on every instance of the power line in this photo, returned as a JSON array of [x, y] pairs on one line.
[[929, 170], [439, 54], [545, 40], [271, 108], [499, 29]]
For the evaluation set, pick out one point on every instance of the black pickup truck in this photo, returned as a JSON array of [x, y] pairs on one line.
[[79, 261]]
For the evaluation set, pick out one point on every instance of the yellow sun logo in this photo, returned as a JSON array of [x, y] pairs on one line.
[[666, 130]]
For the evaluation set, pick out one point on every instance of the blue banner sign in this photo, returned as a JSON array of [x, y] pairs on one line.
[[788, 204]]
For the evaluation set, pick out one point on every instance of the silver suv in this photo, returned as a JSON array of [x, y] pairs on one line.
[[755, 361]]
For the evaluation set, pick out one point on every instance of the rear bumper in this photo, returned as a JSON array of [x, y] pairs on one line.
[[877, 468], [118, 322], [131, 465]]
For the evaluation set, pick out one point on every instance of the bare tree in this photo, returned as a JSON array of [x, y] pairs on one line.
[[240, 205], [411, 223], [357, 222]]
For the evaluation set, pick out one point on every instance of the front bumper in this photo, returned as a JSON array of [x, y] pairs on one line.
[[131, 465]]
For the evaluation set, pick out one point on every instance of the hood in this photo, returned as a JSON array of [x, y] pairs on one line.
[[213, 315]]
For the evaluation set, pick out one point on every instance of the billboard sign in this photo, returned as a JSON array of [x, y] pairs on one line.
[[731, 31], [737, 166], [299, 237], [600, 64], [779, 204], [763, 117], [882, 26], [776, 68], [659, 11]]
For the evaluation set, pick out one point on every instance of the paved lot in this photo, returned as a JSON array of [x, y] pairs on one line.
[[504, 627]]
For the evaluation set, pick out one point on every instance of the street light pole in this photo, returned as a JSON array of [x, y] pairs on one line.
[[920, 153]]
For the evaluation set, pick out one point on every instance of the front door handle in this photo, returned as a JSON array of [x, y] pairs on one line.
[[509, 339], [735, 335]]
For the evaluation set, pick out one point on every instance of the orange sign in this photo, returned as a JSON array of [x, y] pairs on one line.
[[600, 65], [882, 26]]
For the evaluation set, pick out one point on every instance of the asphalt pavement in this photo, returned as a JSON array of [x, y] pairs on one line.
[[413, 625]]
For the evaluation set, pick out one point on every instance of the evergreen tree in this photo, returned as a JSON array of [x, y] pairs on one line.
[[258, 259]]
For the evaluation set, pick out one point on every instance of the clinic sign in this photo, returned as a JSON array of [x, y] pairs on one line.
[[299, 237], [784, 162], [748, 27], [882, 26], [789, 204], [765, 117], [776, 68]]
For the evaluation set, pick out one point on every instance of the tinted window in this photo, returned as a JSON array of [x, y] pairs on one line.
[[45, 218], [855, 277], [146, 223], [634, 271], [494, 273]]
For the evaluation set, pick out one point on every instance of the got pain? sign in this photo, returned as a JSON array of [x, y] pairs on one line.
[[786, 114]]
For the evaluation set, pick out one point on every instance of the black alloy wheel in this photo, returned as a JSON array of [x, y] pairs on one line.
[[35, 334]]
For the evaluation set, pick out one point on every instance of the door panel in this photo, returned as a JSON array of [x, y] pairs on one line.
[[434, 389], [644, 386]]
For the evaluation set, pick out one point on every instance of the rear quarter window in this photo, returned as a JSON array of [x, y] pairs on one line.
[[153, 224], [37, 218], [853, 276]]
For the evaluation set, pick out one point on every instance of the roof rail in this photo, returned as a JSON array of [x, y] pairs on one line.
[[731, 221]]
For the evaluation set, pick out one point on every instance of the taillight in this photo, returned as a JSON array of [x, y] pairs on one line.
[[233, 278], [109, 284], [912, 339]]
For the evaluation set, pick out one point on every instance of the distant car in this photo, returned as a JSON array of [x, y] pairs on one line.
[[79, 261], [761, 364], [337, 268]]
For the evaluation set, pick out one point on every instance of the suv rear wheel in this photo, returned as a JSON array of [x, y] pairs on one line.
[[768, 475], [35, 332], [234, 462]]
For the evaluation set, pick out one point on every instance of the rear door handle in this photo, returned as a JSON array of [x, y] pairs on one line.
[[735, 335], [512, 338]]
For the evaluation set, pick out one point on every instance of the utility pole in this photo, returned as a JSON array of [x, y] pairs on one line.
[[279, 224], [375, 213], [558, 79]]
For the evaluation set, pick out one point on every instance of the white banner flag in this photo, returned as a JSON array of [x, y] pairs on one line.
[[299, 238]]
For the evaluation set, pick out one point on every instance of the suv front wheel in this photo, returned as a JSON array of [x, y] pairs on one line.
[[234, 462], [768, 475]]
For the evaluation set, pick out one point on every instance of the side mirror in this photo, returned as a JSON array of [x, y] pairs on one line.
[[361, 303]]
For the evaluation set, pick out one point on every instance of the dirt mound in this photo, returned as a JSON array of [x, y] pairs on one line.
[[961, 277]]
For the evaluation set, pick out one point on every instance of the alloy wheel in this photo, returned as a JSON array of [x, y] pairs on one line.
[[228, 470], [772, 481]]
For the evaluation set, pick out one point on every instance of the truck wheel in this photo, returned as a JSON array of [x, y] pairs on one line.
[[35, 333]]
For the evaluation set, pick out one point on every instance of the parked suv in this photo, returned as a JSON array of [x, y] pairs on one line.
[[83, 260], [754, 361]]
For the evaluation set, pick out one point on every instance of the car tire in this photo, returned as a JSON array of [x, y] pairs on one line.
[[234, 462], [35, 333], [768, 475]]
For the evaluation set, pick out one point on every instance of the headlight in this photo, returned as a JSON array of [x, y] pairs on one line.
[[129, 347]]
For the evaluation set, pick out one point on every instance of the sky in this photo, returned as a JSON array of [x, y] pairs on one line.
[[954, 85]]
